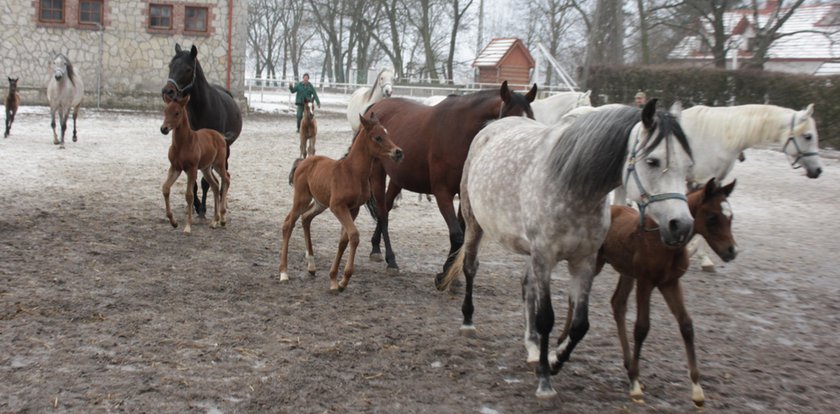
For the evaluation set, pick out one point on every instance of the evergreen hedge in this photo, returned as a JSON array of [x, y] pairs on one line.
[[717, 87]]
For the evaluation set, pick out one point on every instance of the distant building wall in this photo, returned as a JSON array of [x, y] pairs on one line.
[[134, 58]]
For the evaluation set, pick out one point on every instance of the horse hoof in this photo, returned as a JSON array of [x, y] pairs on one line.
[[214, 225], [393, 270], [174, 224], [284, 276], [638, 399], [376, 257], [709, 268], [699, 404], [75, 139], [61, 146], [467, 331], [187, 230], [545, 391]]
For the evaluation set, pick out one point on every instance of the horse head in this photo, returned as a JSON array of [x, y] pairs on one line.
[[713, 218], [62, 67], [655, 174], [13, 85], [183, 69], [174, 114], [377, 139], [802, 142], [308, 109], [516, 104], [386, 82]]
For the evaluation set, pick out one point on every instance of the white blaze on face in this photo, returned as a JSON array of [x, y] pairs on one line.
[[726, 209]]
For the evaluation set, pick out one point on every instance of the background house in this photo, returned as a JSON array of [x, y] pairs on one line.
[[121, 48], [504, 59], [812, 46]]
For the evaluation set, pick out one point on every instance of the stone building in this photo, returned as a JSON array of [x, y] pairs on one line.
[[121, 48]]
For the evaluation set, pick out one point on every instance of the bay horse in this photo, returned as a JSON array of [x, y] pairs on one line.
[[550, 110], [308, 129], [436, 140], [640, 258], [12, 102], [364, 97], [541, 191], [210, 106], [64, 92], [340, 185], [204, 149]]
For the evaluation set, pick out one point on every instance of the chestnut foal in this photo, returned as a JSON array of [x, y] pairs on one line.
[[191, 151], [639, 256], [12, 102], [342, 186], [308, 130]]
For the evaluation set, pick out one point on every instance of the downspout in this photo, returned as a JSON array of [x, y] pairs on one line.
[[230, 40]]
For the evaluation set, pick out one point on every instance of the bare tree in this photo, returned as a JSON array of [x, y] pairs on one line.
[[265, 23], [457, 16], [329, 15], [768, 33], [605, 43]]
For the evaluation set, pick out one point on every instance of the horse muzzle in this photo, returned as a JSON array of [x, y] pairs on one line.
[[729, 254], [164, 130], [396, 155], [813, 173], [677, 233]]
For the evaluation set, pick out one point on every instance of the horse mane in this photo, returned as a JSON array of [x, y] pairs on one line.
[[589, 154], [71, 73], [369, 93], [739, 126]]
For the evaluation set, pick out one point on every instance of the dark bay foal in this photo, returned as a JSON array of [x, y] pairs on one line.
[[12, 103]]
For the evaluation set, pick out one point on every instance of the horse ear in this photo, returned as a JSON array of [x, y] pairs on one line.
[[183, 100], [177, 48], [727, 189], [532, 94], [709, 189], [648, 113], [364, 121], [166, 99], [373, 118], [809, 111], [676, 109], [505, 92], [193, 52]]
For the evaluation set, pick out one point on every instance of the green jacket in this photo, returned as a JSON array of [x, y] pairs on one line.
[[304, 91]]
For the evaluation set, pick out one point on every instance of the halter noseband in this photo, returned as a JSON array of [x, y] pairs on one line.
[[799, 153], [646, 199]]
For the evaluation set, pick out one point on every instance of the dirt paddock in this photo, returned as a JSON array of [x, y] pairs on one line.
[[106, 308]]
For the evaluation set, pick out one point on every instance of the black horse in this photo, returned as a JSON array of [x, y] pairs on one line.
[[210, 106]]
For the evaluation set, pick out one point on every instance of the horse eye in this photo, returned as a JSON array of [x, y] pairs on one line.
[[378, 138], [807, 137], [711, 218], [652, 162]]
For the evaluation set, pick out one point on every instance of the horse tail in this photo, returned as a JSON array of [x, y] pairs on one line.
[[229, 137], [370, 205], [292, 172], [455, 269]]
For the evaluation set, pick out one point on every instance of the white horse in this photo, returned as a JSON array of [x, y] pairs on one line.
[[433, 100], [64, 92], [549, 110], [364, 97], [720, 134], [542, 191]]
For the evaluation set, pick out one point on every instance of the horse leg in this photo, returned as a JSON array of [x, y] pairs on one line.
[[303, 144], [52, 124], [640, 331], [75, 114], [674, 298], [225, 186], [353, 236], [314, 210], [377, 201], [393, 191], [582, 273], [301, 201], [311, 150], [619, 308], [342, 245], [470, 248], [207, 174], [456, 233], [171, 176], [192, 175], [538, 285], [201, 204], [9, 118], [63, 121]]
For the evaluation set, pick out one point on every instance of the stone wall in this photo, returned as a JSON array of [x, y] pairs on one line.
[[134, 59]]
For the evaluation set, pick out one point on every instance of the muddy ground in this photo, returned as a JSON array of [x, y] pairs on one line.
[[106, 308]]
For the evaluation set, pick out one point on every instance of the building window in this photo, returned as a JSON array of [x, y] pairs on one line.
[[52, 11], [90, 11], [160, 16], [195, 19]]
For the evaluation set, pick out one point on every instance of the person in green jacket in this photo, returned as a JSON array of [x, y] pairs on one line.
[[305, 91]]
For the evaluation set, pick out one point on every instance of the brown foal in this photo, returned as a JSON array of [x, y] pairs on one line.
[[308, 130], [639, 256], [191, 151], [12, 102], [342, 186]]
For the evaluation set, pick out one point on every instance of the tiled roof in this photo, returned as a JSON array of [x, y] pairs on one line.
[[494, 51], [810, 45]]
